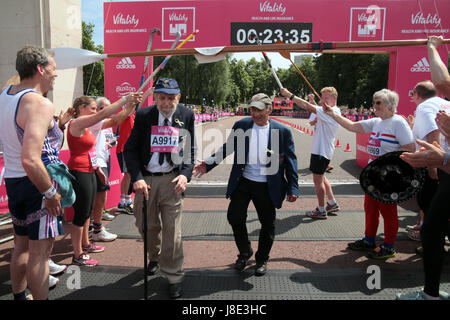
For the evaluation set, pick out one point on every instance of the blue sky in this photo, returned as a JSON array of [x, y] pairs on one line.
[[92, 11]]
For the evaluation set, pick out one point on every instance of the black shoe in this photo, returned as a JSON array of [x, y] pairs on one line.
[[153, 268], [175, 290], [261, 269], [361, 245], [242, 260]]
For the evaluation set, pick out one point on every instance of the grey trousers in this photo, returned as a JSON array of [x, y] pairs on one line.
[[164, 209]]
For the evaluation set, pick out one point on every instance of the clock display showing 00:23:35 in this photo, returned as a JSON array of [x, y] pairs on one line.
[[242, 33]]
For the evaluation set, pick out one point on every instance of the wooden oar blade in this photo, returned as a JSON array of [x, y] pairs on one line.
[[67, 58]]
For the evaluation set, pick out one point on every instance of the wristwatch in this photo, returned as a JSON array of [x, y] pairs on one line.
[[292, 97]]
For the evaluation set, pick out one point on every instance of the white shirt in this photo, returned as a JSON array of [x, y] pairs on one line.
[[386, 135], [153, 165], [425, 119], [255, 168], [102, 138], [326, 129], [10, 134]]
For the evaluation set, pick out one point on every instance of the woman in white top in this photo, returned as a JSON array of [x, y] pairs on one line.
[[389, 132]]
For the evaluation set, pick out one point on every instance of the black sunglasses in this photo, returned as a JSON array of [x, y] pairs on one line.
[[376, 102]]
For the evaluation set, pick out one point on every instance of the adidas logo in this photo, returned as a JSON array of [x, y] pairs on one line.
[[421, 66], [125, 63]]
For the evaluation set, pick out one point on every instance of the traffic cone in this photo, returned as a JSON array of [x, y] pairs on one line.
[[338, 145], [347, 149], [312, 132], [307, 131]]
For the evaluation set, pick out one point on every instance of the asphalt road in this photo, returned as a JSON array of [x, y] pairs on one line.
[[210, 136]]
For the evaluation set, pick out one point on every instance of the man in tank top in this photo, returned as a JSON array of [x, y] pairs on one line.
[[33, 200]]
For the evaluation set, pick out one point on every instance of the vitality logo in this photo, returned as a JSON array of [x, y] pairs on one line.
[[421, 66]]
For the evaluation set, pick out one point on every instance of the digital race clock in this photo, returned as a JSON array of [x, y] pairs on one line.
[[242, 33]]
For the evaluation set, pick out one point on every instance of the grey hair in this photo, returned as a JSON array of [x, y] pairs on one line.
[[390, 98], [28, 58], [102, 100]]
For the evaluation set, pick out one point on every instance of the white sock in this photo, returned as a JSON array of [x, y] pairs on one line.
[[332, 202], [122, 199], [321, 209]]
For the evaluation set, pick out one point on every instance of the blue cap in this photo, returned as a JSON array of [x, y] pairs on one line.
[[167, 86]]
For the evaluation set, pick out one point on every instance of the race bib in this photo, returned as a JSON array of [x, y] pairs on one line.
[[94, 160], [164, 139], [373, 148]]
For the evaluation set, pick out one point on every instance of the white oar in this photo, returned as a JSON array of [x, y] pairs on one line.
[[67, 58]]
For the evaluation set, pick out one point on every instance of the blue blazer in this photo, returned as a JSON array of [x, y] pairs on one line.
[[283, 182]]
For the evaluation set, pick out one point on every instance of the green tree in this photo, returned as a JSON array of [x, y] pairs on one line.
[[93, 74], [355, 76], [242, 82]]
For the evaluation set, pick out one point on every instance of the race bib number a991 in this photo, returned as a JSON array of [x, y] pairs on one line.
[[164, 139]]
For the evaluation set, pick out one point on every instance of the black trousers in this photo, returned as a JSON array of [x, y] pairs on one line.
[[85, 187], [257, 192], [434, 229]]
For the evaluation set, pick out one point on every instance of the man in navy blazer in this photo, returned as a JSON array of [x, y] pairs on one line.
[[264, 171], [160, 155]]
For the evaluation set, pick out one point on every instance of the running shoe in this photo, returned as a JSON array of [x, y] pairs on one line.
[[104, 236], [107, 216], [420, 295], [414, 227], [414, 235], [93, 248], [84, 260], [121, 207], [56, 269], [331, 208], [125, 208], [381, 253], [317, 214], [361, 245], [129, 209], [52, 281]]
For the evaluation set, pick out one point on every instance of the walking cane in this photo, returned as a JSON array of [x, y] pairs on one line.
[[144, 229]]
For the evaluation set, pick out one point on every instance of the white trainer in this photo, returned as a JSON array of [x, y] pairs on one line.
[[104, 236], [52, 281], [56, 268]]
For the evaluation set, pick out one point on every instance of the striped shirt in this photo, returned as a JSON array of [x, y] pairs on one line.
[[386, 135]]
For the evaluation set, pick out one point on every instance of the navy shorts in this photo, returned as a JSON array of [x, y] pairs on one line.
[[318, 164], [29, 218], [122, 164]]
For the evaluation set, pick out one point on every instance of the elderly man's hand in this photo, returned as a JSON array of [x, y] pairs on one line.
[[199, 169], [141, 186], [291, 198], [181, 184]]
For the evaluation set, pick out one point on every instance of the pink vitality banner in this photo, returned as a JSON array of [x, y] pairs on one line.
[[128, 25]]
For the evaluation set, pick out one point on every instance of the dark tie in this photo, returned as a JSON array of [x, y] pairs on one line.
[[163, 155]]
